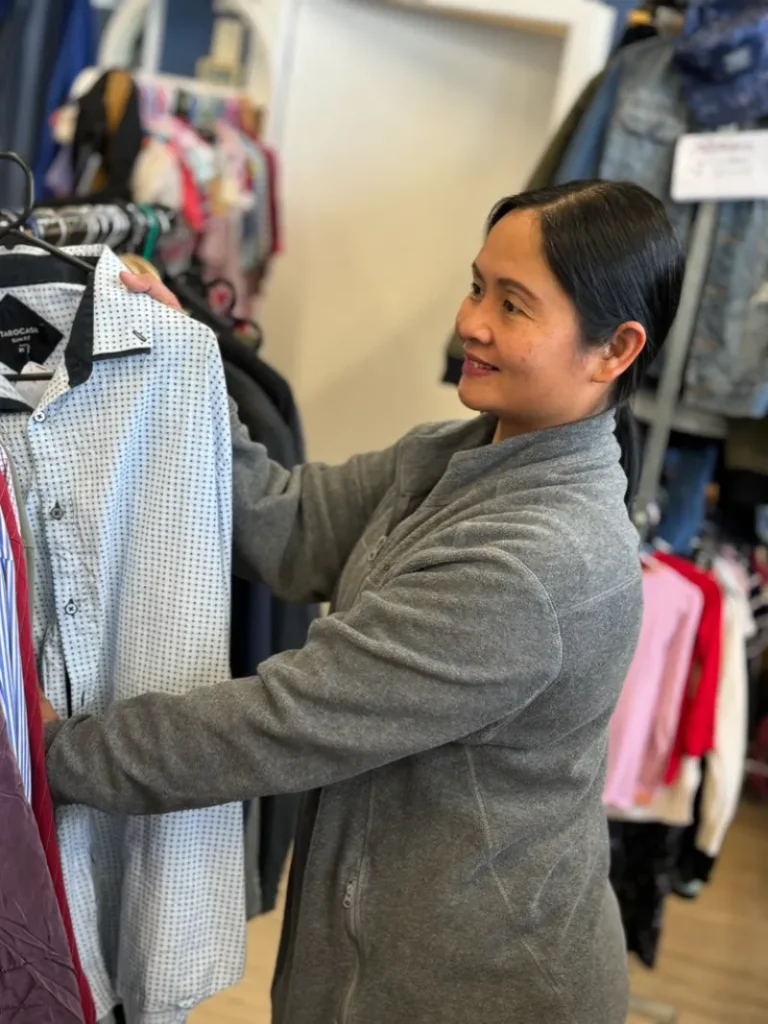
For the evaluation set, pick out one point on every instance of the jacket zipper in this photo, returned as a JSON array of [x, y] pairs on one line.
[[351, 909]]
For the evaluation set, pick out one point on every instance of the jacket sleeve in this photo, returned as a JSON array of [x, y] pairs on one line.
[[294, 530], [442, 651]]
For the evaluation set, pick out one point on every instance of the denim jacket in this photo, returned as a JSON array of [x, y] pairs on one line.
[[727, 370], [647, 118], [629, 133]]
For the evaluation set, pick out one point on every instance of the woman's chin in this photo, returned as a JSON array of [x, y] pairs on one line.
[[471, 395]]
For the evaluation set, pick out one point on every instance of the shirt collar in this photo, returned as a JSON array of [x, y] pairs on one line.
[[109, 323]]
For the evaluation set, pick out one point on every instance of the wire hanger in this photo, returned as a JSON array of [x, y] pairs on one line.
[[12, 229]]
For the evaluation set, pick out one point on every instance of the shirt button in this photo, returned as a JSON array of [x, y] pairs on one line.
[[71, 608], [57, 512], [39, 417]]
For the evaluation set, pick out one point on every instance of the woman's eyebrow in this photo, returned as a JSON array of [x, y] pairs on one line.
[[509, 284]]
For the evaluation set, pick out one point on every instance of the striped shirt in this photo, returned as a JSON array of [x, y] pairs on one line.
[[11, 679]]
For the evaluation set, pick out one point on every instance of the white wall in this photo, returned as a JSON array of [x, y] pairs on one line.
[[400, 133]]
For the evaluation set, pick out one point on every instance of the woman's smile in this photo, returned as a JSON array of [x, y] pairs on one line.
[[474, 367]]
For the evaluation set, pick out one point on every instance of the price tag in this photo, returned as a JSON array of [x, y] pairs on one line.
[[720, 166]]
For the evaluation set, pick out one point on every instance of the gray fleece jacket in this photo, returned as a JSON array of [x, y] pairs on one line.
[[450, 720]]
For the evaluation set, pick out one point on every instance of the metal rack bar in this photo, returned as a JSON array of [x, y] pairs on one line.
[[676, 353], [103, 223]]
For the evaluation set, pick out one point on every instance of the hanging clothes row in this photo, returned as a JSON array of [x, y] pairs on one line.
[[133, 141], [132, 420], [138, 889], [678, 738], [114, 410]]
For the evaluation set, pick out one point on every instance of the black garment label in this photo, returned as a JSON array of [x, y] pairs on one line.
[[24, 336]]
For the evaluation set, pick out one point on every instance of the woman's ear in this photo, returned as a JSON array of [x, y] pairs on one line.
[[621, 351]]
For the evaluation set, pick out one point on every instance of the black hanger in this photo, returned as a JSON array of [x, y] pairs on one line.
[[13, 230]]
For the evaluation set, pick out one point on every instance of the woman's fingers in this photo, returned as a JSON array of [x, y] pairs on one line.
[[147, 285], [46, 708]]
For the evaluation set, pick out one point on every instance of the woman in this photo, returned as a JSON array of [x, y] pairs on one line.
[[450, 718]]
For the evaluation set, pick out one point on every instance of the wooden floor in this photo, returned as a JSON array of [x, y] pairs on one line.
[[713, 965]]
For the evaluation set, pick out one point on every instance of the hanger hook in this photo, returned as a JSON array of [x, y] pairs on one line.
[[29, 203]]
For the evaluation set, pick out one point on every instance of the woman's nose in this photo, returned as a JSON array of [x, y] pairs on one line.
[[472, 323]]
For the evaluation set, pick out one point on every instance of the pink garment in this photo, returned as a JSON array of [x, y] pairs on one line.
[[220, 251], [644, 725]]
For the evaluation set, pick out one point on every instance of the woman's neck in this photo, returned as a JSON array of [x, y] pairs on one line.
[[507, 429]]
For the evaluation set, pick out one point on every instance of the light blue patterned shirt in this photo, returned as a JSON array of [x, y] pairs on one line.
[[124, 466]]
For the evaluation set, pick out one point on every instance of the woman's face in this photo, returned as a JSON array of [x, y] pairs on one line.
[[525, 362]]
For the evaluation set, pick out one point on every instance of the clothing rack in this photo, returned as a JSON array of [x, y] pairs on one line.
[[662, 413], [117, 225]]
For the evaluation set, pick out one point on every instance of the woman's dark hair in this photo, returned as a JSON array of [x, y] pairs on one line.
[[614, 252]]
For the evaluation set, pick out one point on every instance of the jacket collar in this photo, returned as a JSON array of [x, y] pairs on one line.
[[444, 459], [110, 322]]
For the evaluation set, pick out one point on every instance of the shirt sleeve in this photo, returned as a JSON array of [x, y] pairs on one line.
[[442, 651], [294, 530]]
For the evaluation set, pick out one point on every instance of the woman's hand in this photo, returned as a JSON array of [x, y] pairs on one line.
[[46, 709], [148, 285]]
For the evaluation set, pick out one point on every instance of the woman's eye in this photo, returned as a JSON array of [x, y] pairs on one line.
[[474, 290], [510, 307]]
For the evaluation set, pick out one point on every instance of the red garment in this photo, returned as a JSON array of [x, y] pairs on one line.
[[192, 201], [696, 729], [41, 796]]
